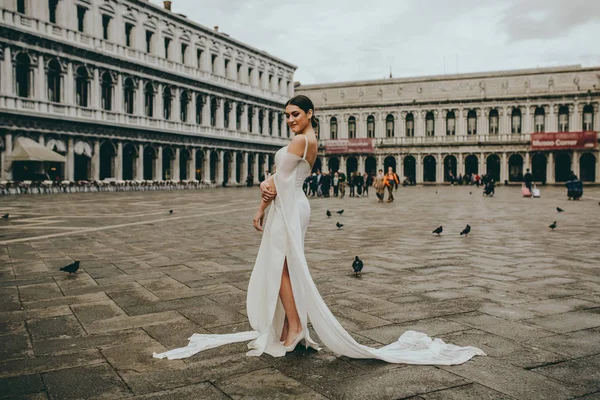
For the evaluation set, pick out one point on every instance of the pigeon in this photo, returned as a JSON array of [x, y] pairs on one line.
[[470, 192], [339, 225], [436, 192], [340, 212], [553, 225], [170, 211], [357, 266], [438, 230], [559, 209], [328, 213], [466, 231], [5, 216], [71, 268]]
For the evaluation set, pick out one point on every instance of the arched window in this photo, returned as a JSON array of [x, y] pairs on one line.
[[563, 119], [261, 118], [149, 100], [199, 107], [472, 122], [494, 122], [515, 126], [429, 124], [410, 125], [213, 111], [370, 126], [167, 98], [588, 118], [82, 81], [450, 123], [129, 96], [333, 128], [23, 75], [54, 81], [238, 118], [389, 126], [352, 127], [106, 89], [184, 101], [539, 119], [250, 117]]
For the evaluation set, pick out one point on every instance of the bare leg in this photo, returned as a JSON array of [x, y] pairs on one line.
[[284, 331], [287, 298]]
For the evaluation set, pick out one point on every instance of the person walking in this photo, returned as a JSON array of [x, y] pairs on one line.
[[368, 183], [336, 184], [528, 178], [379, 186], [390, 181], [342, 182], [352, 183]]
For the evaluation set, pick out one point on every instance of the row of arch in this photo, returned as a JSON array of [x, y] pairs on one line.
[[191, 105], [539, 165], [516, 123]]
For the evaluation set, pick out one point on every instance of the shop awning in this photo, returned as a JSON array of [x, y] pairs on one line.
[[29, 150]]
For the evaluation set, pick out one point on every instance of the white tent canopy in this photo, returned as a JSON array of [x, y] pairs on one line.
[[29, 150]]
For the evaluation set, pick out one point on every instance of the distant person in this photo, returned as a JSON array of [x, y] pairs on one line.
[[390, 181], [528, 179], [574, 187]]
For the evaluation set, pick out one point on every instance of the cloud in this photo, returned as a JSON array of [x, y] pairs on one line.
[[345, 40]]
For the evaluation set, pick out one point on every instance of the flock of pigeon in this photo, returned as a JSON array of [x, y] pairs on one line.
[[338, 224]]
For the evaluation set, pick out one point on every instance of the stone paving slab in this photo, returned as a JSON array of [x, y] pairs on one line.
[[529, 297]]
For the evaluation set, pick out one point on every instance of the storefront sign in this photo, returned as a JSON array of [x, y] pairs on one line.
[[349, 146], [564, 140]]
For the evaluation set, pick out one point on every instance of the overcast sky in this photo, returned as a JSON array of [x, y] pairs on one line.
[[346, 40]]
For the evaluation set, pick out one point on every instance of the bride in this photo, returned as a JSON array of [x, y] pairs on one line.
[[282, 297]]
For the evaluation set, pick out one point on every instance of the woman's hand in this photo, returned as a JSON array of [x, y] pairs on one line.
[[258, 220], [267, 193]]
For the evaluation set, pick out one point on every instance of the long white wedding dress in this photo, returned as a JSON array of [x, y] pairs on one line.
[[283, 237]]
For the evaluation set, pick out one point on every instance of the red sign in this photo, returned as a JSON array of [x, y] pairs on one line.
[[564, 140], [349, 146]]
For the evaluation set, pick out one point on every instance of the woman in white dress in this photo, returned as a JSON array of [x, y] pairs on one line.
[[282, 297]]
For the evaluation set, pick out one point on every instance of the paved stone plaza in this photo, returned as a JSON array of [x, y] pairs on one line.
[[529, 297]]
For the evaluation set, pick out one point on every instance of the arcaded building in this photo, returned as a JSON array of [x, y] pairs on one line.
[[128, 90], [431, 128]]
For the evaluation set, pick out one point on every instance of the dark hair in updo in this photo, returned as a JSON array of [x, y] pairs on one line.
[[305, 104]]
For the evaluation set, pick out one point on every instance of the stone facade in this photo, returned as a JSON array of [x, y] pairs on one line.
[[128, 90], [429, 127]]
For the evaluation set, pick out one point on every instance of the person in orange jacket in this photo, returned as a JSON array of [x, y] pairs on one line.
[[390, 181]]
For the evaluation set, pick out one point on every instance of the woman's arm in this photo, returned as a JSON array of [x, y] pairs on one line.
[[267, 187]]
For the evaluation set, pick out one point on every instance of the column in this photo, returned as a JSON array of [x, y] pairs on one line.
[[574, 121], [482, 165], [7, 73], [244, 119], [283, 126], [69, 85], [6, 166], [527, 162], [95, 164], [399, 167], [232, 115], [501, 122], [440, 128], [255, 120], [460, 122], [528, 125], [220, 113], [575, 163], [550, 168], [256, 170], [176, 105], [361, 164], [220, 175], [552, 122], [401, 127], [274, 123], [206, 109], [119, 162], [159, 112], [244, 168], [118, 106], [459, 164], [139, 164], [140, 106], [504, 168], [191, 175], [484, 121], [439, 169], [41, 93], [206, 173], [71, 160], [325, 164], [95, 90], [265, 122], [419, 168], [158, 167], [420, 124], [176, 176], [233, 169]]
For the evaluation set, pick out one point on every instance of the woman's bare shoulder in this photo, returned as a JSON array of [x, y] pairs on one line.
[[297, 144]]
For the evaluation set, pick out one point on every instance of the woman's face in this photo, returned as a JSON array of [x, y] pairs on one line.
[[297, 119]]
